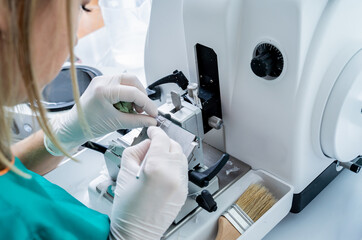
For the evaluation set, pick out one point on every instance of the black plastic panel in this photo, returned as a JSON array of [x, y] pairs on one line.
[[209, 92], [301, 200]]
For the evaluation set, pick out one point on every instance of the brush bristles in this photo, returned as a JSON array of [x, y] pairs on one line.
[[255, 201]]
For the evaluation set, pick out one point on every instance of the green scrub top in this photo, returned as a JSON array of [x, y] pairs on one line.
[[37, 209]]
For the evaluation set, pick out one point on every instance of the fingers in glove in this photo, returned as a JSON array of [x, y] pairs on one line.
[[136, 120], [131, 80], [138, 109], [134, 95], [160, 142], [180, 158], [175, 147], [133, 156]]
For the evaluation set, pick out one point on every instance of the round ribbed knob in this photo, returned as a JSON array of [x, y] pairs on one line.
[[267, 62], [262, 64]]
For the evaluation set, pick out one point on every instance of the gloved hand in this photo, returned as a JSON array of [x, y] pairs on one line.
[[144, 208], [100, 114]]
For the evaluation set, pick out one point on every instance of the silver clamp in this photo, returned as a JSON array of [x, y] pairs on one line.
[[238, 218]]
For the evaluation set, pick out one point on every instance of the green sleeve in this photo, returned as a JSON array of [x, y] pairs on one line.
[[37, 209]]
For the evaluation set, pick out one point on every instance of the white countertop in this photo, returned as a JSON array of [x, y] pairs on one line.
[[335, 214]]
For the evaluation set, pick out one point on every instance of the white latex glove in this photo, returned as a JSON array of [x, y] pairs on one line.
[[102, 117], [144, 208]]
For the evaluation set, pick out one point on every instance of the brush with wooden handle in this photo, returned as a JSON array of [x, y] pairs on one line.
[[252, 204]]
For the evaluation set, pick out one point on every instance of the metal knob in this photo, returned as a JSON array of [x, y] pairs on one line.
[[206, 201], [192, 88], [193, 92], [354, 167], [215, 122]]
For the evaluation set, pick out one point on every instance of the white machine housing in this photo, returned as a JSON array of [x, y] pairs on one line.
[[296, 125]]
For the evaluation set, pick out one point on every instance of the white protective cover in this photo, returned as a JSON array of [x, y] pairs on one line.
[[271, 125], [341, 133]]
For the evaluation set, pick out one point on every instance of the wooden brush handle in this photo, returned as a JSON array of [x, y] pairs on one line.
[[226, 230]]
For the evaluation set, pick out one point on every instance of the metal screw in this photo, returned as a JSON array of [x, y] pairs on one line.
[[28, 128]]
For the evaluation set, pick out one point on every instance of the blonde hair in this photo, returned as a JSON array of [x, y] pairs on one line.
[[15, 56]]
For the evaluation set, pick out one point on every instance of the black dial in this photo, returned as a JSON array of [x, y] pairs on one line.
[[267, 62]]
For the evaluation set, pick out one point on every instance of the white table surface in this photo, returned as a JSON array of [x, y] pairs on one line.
[[335, 214]]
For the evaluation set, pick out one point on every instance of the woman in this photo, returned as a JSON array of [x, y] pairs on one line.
[[36, 37]]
